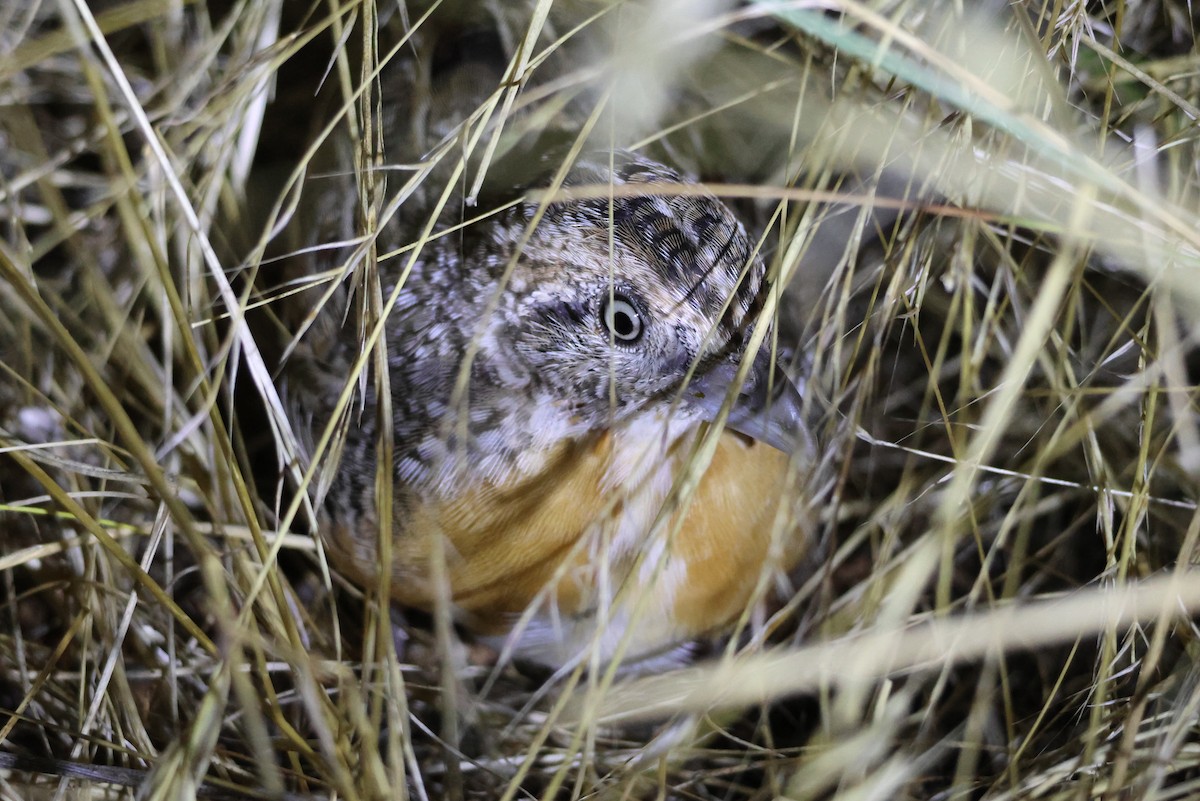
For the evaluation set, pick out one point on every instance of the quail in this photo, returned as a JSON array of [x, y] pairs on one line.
[[549, 378]]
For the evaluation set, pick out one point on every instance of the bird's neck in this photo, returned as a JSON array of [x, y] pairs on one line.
[[510, 440]]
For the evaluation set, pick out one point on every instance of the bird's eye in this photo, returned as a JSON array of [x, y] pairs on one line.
[[622, 319]]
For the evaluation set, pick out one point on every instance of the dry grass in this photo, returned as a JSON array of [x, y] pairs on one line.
[[987, 228]]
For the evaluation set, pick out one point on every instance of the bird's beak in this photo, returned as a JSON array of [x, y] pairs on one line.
[[768, 407]]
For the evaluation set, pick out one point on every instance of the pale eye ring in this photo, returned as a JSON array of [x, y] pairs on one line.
[[622, 319]]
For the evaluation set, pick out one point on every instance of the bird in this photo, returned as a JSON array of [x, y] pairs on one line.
[[551, 369]]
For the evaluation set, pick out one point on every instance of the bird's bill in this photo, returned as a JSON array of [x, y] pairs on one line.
[[767, 408]]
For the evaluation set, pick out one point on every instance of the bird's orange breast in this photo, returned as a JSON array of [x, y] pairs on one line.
[[726, 535], [563, 532]]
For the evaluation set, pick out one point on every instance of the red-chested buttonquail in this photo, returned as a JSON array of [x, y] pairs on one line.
[[548, 475]]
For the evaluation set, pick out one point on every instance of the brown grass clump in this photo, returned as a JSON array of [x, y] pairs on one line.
[[986, 223]]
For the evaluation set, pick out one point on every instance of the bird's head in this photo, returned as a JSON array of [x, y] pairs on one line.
[[614, 298]]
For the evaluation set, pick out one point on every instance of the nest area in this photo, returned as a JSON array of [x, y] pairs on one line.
[[986, 220]]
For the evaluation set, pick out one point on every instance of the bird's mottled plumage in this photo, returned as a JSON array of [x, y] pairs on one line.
[[544, 473]]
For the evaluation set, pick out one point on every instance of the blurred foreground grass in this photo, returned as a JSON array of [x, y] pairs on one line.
[[986, 220]]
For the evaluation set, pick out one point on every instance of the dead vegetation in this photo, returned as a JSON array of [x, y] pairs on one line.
[[986, 224]]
